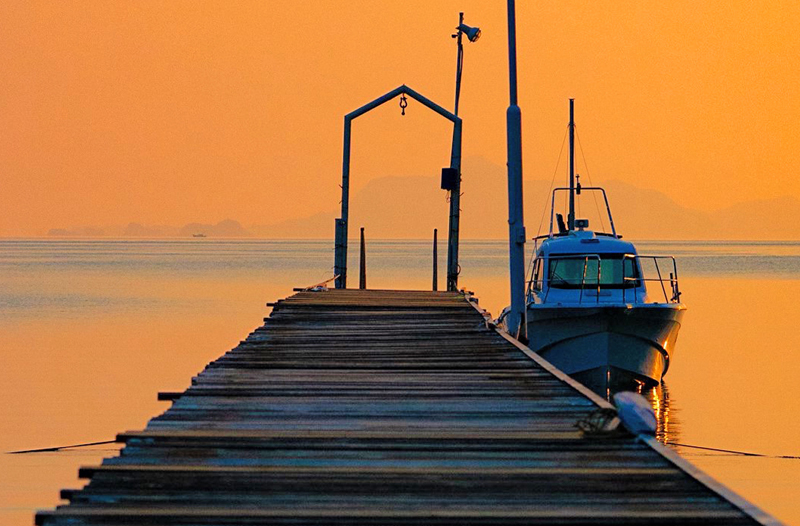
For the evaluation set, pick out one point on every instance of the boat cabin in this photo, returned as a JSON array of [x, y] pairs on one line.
[[582, 266], [585, 267]]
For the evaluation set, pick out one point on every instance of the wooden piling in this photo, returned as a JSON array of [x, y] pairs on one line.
[[362, 269], [435, 261]]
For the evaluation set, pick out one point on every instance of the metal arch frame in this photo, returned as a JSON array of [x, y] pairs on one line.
[[340, 261]]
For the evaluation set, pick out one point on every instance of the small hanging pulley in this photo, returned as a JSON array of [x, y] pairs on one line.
[[578, 186], [403, 104]]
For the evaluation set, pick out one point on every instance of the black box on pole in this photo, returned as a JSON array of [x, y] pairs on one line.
[[449, 178]]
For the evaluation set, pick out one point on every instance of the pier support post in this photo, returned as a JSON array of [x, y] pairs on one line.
[[517, 323], [340, 268], [455, 211], [362, 269], [435, 260], [340, 261]]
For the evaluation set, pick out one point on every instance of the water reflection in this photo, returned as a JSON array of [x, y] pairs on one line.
[[91, 330], [668, 425]]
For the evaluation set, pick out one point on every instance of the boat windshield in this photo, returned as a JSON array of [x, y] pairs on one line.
[[576, 271]]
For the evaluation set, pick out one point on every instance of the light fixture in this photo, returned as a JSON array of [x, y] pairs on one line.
[[473, 33]]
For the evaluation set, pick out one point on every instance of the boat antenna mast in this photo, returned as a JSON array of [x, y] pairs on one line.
[[571, 216]]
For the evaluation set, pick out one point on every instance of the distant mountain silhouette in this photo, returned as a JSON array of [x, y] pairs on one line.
[[777, 218], [83, 231], [139, 230], [226, 228], [411, 207]]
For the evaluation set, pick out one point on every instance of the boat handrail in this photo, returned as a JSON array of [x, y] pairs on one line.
[[596, 233], [672, 280], [634, 282]]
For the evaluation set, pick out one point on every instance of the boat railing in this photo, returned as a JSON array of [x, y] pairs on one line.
[[669, 285], [582, 189], [544, 278]]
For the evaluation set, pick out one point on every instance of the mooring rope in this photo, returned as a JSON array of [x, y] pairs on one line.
[[733, 451], [594, 426], [605, 421], [59, 448]]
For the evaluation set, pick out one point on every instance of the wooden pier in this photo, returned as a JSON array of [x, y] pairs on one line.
[[388, 408]]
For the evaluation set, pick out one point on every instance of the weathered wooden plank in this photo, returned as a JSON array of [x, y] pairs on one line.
[[387, 515]]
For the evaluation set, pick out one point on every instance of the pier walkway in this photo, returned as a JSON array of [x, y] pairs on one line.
[[387, 408]]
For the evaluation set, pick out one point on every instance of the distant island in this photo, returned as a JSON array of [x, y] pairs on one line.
[[225, 228]]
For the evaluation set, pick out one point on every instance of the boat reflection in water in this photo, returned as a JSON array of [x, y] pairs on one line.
[[669, 428]]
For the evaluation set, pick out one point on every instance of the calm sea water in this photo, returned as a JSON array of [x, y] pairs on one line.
[[91, 330]]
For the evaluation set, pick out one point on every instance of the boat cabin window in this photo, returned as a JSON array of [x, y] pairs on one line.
[[572, 271]]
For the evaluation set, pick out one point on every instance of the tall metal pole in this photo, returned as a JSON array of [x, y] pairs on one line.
[[516, 319], [455, 211], [340, 261], [459, 61], [571, 215], [455, 193], [435, 260]]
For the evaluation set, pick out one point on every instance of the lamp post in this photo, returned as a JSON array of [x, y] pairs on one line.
[[517, 323], [472, 33]]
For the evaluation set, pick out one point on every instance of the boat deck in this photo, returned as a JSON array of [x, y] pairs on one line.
[[390, 408]]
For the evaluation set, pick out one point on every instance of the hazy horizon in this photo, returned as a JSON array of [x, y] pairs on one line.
[[382, 208]]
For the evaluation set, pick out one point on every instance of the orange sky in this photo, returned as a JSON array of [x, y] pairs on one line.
[[171, 112]]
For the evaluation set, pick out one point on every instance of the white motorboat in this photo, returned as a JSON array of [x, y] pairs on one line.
[[591, 311]]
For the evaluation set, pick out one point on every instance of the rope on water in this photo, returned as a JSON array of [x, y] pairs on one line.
[[60, 448], [605, 422], [732, 451], [600, 423]]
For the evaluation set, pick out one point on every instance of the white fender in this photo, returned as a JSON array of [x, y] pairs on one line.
[[636, 413]]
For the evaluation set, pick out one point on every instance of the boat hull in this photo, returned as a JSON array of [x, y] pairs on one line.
[[607, 347]]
